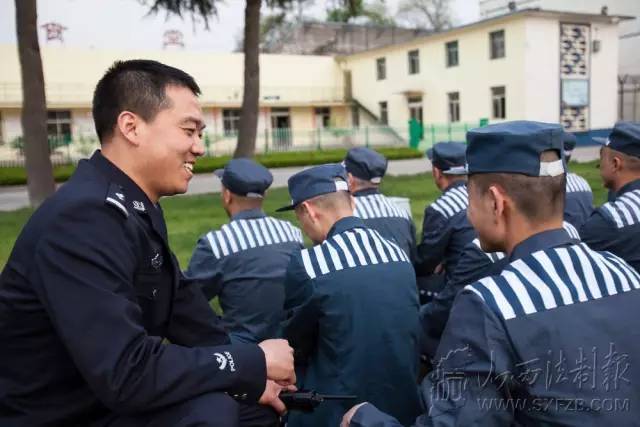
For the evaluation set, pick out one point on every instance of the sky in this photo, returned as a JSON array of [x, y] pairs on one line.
[[125, 24]]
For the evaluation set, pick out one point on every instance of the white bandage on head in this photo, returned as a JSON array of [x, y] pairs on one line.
[[341, 185], [554, 168], [376, 180]]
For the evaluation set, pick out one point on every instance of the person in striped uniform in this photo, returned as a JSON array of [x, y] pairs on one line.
[[578, 203], [545, 341], [351, 305], [445, 228], [615, 226], [243, 263], [474, 265], [365, 170]]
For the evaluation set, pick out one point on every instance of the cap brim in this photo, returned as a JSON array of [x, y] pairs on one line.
[[286, 208], [600, 140], [430, 154], [218, 173], [455, 172]]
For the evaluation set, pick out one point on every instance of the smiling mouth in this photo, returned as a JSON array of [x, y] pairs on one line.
[[189, 167]]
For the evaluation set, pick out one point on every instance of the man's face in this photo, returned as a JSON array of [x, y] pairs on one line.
[[607, 170], [171, 142], [482, 215]]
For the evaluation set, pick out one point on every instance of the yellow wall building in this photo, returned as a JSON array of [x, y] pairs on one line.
[[531, 64]]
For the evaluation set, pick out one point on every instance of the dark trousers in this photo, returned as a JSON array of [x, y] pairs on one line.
[[207, 410]]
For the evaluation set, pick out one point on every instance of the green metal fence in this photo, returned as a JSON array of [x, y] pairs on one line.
[[66, 150]]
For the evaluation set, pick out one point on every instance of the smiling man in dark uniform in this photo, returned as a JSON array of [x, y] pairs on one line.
[[92, 290]]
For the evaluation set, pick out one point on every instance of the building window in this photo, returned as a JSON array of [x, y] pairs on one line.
[[381, 68], [454, 106], [451, 49], [384, 115], [414, 61], [323, 117], [59, 125], [498, 102], [496, 40], [230, 121]]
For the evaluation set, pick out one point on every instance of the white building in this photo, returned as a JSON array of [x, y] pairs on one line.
[[629, 37], [529, 64]]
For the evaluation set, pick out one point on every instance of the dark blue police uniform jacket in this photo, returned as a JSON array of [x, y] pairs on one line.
[[244, 264], [578, 200], [90, 291], [445, 231], [391, 221], [352, 313], [539, 344], [615, 226]]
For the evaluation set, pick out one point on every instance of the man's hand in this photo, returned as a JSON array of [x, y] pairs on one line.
[[271, 396], [346, 419], [279, 358]]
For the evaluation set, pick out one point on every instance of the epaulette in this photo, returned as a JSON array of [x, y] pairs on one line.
[[115, 197]]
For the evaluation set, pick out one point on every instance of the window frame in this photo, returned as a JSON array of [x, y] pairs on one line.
[[502, 99], [383, 107], [494, 52], [381, 68], [413, 58], [448, 57], [453, 106], [230, 125]]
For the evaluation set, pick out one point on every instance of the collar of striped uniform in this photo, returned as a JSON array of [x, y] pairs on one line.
[[249, 214], [366, 192], [344, 224], [455, 185], [630, 186], [545, 240]]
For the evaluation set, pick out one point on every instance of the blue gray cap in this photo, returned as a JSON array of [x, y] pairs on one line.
[[366, 164], [625, 138], [245, 177], [569, 142], [316, 181], [515, 147], [449, 157]]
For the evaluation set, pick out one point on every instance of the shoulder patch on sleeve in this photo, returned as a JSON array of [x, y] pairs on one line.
[[116, 198]]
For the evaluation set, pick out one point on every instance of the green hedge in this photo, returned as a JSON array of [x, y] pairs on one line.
[[18, 175]]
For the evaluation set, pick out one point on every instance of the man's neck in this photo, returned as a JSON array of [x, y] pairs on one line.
[[623, 181], [522, 229], [122, 160]]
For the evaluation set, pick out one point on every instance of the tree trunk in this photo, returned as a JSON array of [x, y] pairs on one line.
[[248, 125], [34, 108]]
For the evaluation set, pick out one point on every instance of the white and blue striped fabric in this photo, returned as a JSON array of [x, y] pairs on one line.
[[358, 247], [576, 183], [497, 256], [555, 278], [378, 206], [625, 210], [244, 234], [452, 201]]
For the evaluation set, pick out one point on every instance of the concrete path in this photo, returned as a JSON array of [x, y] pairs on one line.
[[15, 197]]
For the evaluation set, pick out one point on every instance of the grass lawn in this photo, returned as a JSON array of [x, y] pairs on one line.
[[190, 216]]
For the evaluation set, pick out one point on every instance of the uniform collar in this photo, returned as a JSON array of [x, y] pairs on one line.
[[136, 199], [366, 192], [455, 185], [629, 186], [249, 214], [544, 240], [344, 224]]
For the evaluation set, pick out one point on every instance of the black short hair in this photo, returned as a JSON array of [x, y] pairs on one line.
[[537, 198], [139, 86]]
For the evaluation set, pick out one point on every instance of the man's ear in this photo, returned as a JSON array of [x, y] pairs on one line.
[[128, 125], [617, 163], [498, 201], [226, 196]]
